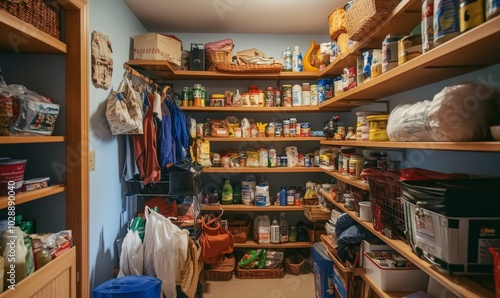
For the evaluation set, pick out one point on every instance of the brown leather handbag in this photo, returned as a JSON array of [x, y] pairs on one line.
[[215, 241]]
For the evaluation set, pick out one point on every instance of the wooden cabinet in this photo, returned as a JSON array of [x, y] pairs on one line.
[[67, 275]]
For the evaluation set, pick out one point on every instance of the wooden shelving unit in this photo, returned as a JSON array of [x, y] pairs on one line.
[[67, 275]]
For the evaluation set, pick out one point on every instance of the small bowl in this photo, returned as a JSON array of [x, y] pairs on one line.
[[495, 132]]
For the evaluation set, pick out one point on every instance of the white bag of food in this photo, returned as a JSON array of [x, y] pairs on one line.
[[459, 113]]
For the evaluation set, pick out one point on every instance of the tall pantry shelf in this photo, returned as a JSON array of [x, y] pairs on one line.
[[461, 286], [67, 275]]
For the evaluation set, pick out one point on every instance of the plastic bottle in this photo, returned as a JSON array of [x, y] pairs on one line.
[[227, 193], [282, 196], [275, 232], [296, 95], [297, 60], [283, 228], [272, 157], [19, 258], [263, 190], [287, 60]]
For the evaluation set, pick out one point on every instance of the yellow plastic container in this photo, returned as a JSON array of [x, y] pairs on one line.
[[378, 127]]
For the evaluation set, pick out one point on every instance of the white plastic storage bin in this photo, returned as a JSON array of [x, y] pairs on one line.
[[390, 279]]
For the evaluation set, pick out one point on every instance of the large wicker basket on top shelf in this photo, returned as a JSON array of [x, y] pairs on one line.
[[364, 15], [42, 14], [248, 68]]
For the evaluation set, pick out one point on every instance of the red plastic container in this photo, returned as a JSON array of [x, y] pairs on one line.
[[495, 251], [11, 176]]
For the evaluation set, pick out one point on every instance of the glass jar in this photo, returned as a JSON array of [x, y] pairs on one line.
[[355, 166]]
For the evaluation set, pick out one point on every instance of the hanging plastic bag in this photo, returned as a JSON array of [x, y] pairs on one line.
[[132, 255], [165, 251], [123, 109]]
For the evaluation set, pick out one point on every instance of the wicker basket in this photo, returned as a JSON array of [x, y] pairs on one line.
[[249, 68], [44, 15], [221, 271], [294, 264], [364, 15], [259, 273], [336, 23], [216, 57]]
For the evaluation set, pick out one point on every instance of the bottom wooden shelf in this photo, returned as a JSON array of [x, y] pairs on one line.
[[362, 273], [57, 279]]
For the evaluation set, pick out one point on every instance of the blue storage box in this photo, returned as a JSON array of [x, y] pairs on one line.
[[133, 286], [323, 272]]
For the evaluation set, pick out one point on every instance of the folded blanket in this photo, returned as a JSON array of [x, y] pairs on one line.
[[225, 45]]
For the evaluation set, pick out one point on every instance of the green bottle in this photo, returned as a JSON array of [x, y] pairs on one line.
[[227, 193]]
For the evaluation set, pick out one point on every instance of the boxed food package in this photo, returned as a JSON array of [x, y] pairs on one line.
[[154, 46]]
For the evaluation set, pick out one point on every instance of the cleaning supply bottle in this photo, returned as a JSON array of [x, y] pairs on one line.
[[275, 232], [297, 60], [282, 196], [227, 193], [283, 228]]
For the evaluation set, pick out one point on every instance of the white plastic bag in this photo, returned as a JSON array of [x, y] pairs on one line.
[[132, 255], [459, 113], [165, 251]]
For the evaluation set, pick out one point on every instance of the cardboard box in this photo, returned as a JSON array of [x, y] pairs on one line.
[[154, 46]]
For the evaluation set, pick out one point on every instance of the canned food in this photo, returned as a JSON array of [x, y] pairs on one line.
[[277, 97], [305, 129], [286, 127], [283, 160], [287, 95]]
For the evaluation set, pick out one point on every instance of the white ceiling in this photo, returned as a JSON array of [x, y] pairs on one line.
[[235, 16]]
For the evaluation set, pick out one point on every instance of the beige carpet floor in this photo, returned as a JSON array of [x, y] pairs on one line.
[[290, 286]]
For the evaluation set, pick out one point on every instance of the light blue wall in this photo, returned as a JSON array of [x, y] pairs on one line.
[[114, 19]]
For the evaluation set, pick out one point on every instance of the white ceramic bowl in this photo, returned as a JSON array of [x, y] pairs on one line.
[[495, 132]]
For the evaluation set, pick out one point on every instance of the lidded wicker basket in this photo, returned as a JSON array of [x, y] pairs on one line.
[[364, 15]]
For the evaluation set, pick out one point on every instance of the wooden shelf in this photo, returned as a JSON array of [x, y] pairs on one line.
[[253, 109], [253, 244], [470, 51], [161, 70], [24, 197], [264, 170], [56, 279], [455, 146], [269, 139], [459, 285], [362, 273], [356, 183], [244, 208], [26, 38], [31, 139]]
